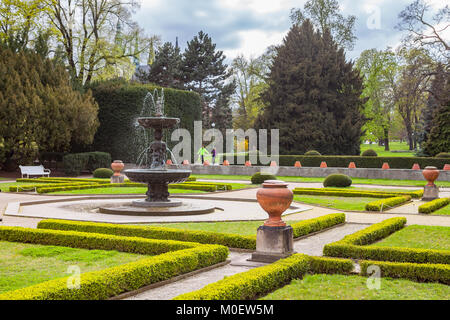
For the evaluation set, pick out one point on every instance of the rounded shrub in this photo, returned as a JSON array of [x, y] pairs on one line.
[[259, 177], [103, 173], [337, 180], [312, 153], [443, 155], [369, 153]]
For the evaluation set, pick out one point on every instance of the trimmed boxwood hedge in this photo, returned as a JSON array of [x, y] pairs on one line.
[[355, 193], [354, 246], [301, 228], [104, 173], [259, 177], [434, 205], [263, 280], [107, 283], [412, 271], [362, 162], [337, 180], [386, 204]]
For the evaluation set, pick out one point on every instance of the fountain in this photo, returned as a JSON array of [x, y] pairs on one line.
[[156, 175]]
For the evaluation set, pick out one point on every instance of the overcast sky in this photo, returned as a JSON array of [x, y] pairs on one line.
[[250, 26]]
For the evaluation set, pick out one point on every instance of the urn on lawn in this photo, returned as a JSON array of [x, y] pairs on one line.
[[431, 191], [274, 239]]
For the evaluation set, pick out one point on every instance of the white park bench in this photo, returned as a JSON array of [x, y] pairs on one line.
[[34, 171]]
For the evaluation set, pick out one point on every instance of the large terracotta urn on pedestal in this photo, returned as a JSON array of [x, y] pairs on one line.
[[275, 198], [431, 191], [117, 166]]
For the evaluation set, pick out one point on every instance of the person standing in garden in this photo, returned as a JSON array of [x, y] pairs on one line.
[[213, 154], [202, 152]]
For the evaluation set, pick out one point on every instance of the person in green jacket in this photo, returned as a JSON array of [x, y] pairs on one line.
[[202, 152]]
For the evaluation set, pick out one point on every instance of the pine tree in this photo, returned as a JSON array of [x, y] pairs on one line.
[[313, 96], [438, 139], [204, 72], [166, 69]]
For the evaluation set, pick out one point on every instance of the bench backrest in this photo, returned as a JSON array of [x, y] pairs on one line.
[[32, 169]]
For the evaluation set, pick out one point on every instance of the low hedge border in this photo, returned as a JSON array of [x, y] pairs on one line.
[[263, 280], [434, 205], [412, 271], [62, 180], [58, 188], [205, 237], [386, 204], [355, 193], [32, 186], [107, 283], [301, 228], [354, 246]]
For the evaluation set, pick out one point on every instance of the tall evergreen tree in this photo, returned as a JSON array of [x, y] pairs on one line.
[[166, 68], [204, 72], [438, 139], [314, 95]]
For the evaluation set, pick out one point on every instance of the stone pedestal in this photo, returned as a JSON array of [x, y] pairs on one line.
[[430, 193], [118, 179], [273, 243]]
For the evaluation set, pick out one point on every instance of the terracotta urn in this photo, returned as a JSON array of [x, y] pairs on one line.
[[323, 164], [297, 164], [117, 166], [447, 167], [226, 163], [352, 165], [385, 166], [273, 164], [430, 174], [185, 162], [415, 166], [248, 164], [275, 198], [169, 162]]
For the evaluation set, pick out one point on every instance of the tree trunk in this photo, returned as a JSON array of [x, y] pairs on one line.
[[386, 139]]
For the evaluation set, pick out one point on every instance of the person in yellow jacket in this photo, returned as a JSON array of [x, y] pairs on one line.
[[202, 152]]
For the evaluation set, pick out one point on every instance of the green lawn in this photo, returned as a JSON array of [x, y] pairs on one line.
[[341, 287], [421, 237], [393, 146], [445, 211], [341, 203], [246, 228], [23, 265], [382, 182]]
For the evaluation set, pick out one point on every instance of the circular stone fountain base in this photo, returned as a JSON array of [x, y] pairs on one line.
[[184, 209], [148, 204]]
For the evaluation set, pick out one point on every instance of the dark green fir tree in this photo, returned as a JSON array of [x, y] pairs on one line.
[[314, 95]]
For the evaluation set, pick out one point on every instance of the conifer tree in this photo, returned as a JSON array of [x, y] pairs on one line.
[[314, 95], [204, 72], [39, 109]]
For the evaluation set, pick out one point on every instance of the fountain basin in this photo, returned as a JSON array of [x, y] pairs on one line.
[[157, 176], [158, 122]]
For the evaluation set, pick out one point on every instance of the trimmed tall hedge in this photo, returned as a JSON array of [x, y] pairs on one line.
[[120, 102], [263, 280], [75, 163], [107, 283], [412, 271], [355, 246]]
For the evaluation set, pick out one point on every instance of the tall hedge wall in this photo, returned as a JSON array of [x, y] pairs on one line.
[[120, 103]]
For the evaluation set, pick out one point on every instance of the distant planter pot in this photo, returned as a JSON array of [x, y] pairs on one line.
[[352, 165], [297, 164], [323, 164], [226, 163], [169, 162], [206, 163], [248, 164], [415, 166], [275, 198], [430, 174], [273, 164], [447, 167], [385, 166], [117, 166], [185, 162]]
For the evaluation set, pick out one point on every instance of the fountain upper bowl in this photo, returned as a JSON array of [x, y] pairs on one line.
[[150, 176], [158, 122]]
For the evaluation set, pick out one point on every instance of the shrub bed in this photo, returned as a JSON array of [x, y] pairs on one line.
[[434, 205], [337, 180], [103, 284], [354, 246], [356, 193], [260, 281], [385, 204], [412, 271], [306, 227], [259, 177]]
